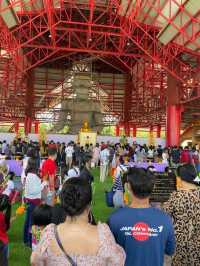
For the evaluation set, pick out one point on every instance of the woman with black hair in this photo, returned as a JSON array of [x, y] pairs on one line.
[[184, 208], [76, 242], [30, 154], [85, 171], [32, 197], [5, 213]]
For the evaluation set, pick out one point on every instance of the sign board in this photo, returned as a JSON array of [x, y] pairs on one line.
[[87, 138]]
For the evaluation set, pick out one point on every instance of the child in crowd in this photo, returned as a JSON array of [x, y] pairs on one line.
[[41, 217], [5, 213], [44, 215], [58, 214]]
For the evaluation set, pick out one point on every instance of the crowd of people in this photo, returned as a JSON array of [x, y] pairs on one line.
[[59, 223], [137, 153]]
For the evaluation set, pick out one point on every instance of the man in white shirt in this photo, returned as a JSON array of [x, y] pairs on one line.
[[104, 162], [96, 155], [4, 146], [69, 155]]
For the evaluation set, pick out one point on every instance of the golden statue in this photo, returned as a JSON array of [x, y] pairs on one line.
[[85, 127], [86, 135]]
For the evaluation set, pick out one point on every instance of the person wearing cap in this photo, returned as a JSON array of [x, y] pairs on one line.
[[184, 208], [85, 171]]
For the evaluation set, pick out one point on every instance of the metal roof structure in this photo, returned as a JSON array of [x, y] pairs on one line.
[[149, 44]]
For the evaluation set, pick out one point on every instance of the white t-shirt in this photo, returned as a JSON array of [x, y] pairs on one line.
[[10, 187], [33, 187], [24, 166], [69, 151], [104, 156], [4, 146], [150, 153], [165, 157]]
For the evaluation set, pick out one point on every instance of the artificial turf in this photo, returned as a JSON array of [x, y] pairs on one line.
[[20, 255]]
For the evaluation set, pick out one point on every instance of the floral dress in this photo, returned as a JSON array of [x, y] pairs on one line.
[[36, 235], [109, 253], [184, 208]]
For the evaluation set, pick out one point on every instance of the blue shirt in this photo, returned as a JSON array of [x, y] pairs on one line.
[[146, 234]]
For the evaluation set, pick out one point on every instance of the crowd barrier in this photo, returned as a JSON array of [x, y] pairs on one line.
[[16, 166], [164, 184]]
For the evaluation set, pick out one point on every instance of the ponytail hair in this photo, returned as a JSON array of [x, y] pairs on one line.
[[32, 166]]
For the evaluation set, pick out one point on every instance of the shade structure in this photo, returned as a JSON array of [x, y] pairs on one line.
[[135, 45]]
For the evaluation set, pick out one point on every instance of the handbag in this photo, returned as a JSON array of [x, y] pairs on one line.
[[109, 198], [118, 199]]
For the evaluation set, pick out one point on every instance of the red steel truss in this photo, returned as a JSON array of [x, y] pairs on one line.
[[120, 37]]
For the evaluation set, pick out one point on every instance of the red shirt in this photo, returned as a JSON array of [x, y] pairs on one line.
[[185, 157], [3, 229], [48, 170]]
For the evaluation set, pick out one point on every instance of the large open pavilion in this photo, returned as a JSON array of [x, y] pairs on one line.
[[132, 65], [140, 60]]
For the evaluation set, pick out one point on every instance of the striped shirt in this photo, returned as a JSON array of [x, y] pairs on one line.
[[118, 184], [118, 178]]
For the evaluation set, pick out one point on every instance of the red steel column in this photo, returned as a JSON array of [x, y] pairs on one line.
[[127, 129], [29, 112], [26, 126], [37, 127], [150, 131], [173, 125], [29, 124], [173, 121], [158, 131], [117, 130], [127, 106], [134, 131], [17, 128]]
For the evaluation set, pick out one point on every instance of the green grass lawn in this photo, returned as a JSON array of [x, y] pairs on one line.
[[20, 255]]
